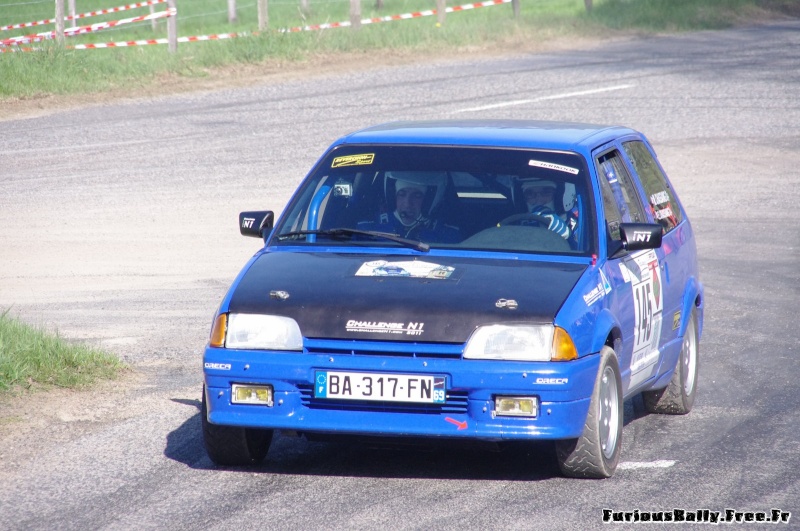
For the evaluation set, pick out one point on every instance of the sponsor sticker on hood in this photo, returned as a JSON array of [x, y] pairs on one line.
[[413, 269], [383, 327]]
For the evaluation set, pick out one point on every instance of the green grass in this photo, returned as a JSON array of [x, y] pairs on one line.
[[32, 358], [55, 70], [686, 15]]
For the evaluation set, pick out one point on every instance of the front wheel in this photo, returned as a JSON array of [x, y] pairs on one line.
[[678, 397], [595, 454], [232, 445]]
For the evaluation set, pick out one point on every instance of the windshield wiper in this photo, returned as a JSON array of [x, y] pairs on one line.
[[342, 232]]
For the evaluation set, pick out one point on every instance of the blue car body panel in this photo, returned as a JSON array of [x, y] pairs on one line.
[[467, 413], [591, 295]]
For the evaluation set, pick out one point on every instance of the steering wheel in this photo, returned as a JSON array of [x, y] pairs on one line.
[[516, 219]]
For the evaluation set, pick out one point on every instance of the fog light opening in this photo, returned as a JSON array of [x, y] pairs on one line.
[[516, 406], [252, 394]]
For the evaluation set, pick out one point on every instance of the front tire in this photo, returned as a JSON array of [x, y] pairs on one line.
[[595, 454], [678, 397], [232, 445]]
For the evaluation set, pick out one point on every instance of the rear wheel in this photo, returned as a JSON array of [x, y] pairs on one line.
[[232, 445], [595, 454], [678, 397]]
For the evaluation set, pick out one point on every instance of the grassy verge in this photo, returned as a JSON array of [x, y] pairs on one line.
[[55, 70], [32, 358]]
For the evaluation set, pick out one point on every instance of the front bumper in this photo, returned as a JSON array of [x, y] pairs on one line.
[[563, 391]]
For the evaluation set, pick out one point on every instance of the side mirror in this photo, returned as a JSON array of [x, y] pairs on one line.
[[257, 224], [638, 236]]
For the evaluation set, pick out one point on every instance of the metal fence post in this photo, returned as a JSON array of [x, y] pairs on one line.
[[515, 6], [263, 15], [232, 11], [441, 13], [355, 14], [172, 29], [154, 22], [60, 21], [72, 11]]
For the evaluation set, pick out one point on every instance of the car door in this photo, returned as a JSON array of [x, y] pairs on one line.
[[663, 207], [635, 278]]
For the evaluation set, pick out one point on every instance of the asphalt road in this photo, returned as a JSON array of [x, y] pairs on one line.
[[118, 227]]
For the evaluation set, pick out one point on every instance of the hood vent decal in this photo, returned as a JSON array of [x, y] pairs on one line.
[[510, 304], [279, 295]]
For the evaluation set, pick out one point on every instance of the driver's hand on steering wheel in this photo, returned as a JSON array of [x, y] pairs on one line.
[[557, 225]]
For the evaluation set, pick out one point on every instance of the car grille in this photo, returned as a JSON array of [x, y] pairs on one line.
[[455, 402], [409, 349]]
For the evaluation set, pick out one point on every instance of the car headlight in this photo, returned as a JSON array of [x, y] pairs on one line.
[[520, 343], [258, 332]]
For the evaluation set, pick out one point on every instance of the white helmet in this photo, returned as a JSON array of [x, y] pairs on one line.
[[432, 183], [564, 203]]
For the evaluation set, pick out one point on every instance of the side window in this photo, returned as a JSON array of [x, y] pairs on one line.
[[660, 197], [620, 199], [613, 215]]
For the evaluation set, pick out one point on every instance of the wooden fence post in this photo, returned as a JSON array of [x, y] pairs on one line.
[[355, 14], [232, 11], [172, 29], [441, 13], [60, 21], [263, 15], [515, 6], [588, 4]]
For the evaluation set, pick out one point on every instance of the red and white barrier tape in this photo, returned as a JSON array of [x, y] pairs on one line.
[[3, 49], [147, 42], [476, 5], [391, 18], [142, 42], [222, 36], [84, 15], [71, 32]]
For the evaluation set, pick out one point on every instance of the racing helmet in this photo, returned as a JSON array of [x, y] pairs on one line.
[[564, 196], [528, 184], [432, 184]]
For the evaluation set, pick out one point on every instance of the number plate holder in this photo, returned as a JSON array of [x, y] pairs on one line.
[[382, 387]]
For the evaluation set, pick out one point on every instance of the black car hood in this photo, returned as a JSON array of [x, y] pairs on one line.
[[346, 296]]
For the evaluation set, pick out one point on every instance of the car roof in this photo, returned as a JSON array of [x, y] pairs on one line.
[[498, 133]]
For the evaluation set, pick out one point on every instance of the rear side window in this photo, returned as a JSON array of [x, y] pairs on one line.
[[660, 196]]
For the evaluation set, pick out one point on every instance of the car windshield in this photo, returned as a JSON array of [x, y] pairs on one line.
[[470, 198]]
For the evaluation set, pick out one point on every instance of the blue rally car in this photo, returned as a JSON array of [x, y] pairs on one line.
[[483, 280]]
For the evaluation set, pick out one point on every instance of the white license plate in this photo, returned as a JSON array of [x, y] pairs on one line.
[[380, 386]]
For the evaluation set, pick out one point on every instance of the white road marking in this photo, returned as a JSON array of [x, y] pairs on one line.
[[545, 98], [635, 465]]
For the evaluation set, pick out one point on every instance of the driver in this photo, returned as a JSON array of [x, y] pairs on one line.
[[539, 197], [410, 191]]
